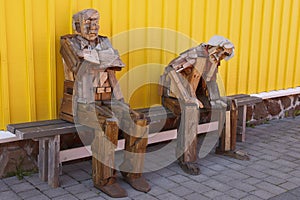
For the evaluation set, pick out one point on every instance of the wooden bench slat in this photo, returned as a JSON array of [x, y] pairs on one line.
[[12, 127], [248, 100], [157, 113], [237, 96], [46, 131]]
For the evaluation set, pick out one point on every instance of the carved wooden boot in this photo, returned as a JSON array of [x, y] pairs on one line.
[[137, 181], [111, 188], [191, 168]]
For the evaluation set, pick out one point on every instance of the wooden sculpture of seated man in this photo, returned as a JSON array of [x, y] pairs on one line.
[[189, 84], [90, 63]]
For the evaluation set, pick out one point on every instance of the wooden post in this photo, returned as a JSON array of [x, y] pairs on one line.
[[53, 161], [227, 132], [242, 114], [233, 120], [43, 159]]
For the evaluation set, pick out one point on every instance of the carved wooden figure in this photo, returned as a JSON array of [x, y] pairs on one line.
[[90, 63], [189, 82]]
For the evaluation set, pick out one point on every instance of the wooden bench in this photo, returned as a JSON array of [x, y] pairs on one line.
[[243, 101], [48, 133]]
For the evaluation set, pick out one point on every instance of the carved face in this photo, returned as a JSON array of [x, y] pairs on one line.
[[217, 54], [89, 25]]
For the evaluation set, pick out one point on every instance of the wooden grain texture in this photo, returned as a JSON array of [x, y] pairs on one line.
[[13, 127], [67, 105], [103, 151], [68, 87], [46, 131], [53, 161], [135, 148], [227, 131], [233, 125], [173, 105], [115, 85], [43, 159], [248, 100], [187, 132]]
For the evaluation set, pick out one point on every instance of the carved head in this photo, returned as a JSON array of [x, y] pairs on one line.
[[220, 48], [86, 23]]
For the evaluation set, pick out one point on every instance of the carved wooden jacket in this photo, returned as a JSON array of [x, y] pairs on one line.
[[76, 49], [187, 75]]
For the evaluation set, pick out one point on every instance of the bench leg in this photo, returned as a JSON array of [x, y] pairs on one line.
[[241, 136], [43, 159], [53, 161]]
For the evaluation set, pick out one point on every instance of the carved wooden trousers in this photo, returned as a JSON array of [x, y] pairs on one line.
[[186, 150], [104, 145]]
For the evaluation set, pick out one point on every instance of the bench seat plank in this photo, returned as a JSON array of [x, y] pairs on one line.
[[46, 131], [248, 100], [13, 127]]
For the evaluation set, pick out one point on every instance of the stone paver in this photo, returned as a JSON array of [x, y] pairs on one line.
[[273, 172]]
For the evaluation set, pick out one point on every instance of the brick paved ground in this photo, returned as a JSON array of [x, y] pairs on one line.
[[272, 173]]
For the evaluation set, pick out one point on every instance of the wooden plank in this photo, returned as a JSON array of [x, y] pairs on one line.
[[43, 159], [248, 100], [227, 132], [53, 161], [236, 96], [12, 127], [46, 131], [68, 87], [155, 113], [115, 85], [244, 123], [67, 104], [233, 121]]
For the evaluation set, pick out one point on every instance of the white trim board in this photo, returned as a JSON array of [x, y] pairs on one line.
[[278, 93], [6, 136]]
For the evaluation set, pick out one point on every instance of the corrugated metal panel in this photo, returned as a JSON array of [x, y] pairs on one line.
[[148, 34]]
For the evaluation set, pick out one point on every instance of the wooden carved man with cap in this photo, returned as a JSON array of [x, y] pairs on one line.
[[92, 97], [189, 84]]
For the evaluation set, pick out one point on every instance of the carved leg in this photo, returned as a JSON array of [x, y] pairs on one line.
[[103, 148], [134, 155], [187, 139]]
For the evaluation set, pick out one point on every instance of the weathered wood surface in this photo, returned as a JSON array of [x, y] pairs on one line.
[[115, 85], [187, 134], [13, 127], [233, 124], [242, 101], [53, 161], [103, 148], [45, 130], [43, 159]]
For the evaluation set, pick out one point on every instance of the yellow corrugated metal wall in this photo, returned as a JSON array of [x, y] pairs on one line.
[[265, 33]]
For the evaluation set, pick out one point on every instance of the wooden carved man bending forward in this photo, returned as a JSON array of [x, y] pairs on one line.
[[189, 84], [90, 63]]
